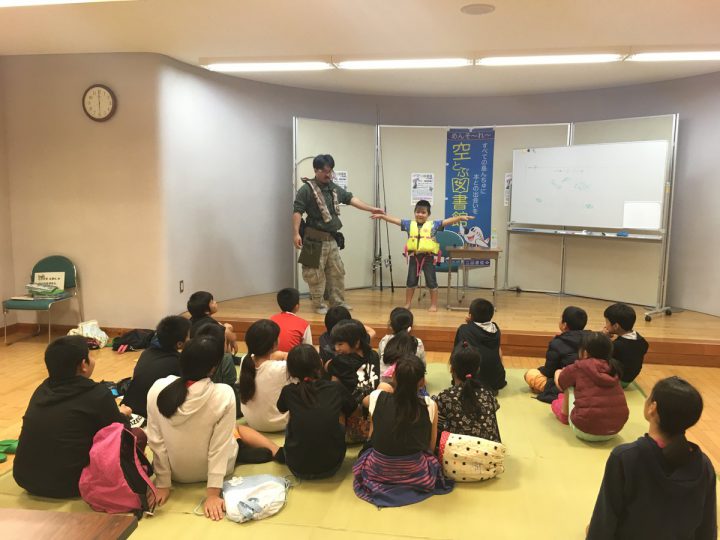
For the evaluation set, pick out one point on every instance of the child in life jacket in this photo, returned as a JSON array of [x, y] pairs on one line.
[[422, 248]]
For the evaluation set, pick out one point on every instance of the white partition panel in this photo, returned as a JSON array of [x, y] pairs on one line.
[[613, 269], [531, 265], [403, 151], [353, 148], [409, 149]]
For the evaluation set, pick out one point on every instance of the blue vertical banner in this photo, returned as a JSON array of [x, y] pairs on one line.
[[468, 184]]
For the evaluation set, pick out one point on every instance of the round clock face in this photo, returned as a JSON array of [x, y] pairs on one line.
[[99, 102]]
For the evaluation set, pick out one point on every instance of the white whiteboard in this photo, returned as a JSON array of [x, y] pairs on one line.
[[613, 186]]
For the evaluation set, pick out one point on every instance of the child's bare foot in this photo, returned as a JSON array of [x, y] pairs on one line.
[[432, 309], [407, 306]]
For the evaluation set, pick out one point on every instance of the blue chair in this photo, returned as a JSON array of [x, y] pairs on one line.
[[54, 263], [448, 239]]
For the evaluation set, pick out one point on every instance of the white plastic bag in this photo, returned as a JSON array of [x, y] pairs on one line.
[[90, 329], [254, 497]]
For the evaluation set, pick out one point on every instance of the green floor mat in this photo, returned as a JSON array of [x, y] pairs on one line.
[[547, 491]]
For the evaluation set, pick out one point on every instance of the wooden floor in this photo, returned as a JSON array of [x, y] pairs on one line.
[[22, 369], [527, 321]]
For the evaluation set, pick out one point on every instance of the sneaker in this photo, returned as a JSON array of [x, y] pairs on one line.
[[322, 310]]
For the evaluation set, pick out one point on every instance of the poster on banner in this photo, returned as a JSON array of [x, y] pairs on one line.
[[422, 186], [468, 184], [508, 188], [340, 178]]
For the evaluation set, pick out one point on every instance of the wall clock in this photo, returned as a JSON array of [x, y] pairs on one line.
[[99, 103]]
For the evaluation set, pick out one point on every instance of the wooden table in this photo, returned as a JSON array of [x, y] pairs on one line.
[[20, 523], [469, 254]]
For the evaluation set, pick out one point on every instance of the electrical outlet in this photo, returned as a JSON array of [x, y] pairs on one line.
[[182, 285]]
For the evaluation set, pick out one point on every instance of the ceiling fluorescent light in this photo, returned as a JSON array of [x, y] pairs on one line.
[[415, 63], [24, 3], [250, 67], [688, 56], [548, 59]]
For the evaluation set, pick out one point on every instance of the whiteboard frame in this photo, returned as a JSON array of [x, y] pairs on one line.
[[663, 233], [669, 160]]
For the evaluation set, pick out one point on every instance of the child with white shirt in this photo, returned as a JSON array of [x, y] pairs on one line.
[[481, 332], [401, 320], [189, 413], [262, 378]]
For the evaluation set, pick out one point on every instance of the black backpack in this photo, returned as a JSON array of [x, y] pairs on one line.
[[134, 339]]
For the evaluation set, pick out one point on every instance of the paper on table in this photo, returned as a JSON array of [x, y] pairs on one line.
[[641, 215]]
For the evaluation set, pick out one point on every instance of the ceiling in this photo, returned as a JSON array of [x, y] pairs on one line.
[[191, 30]]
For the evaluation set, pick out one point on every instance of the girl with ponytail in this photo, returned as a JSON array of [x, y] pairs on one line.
[[262, 378], [315, 437], [469, 406], [191, 427], [399, 467], [662, 485], [401, 321]]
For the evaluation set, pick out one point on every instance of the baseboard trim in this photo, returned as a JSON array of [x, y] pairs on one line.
[[678, 352], [664, 351]]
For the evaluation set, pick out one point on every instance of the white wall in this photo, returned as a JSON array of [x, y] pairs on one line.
[[227, 182], [6, 257], [107, 180], [84, 189]]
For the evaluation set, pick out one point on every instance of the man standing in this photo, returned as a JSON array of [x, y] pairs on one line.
[[320, 198]]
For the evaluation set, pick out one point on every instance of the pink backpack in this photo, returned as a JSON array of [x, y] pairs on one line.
[[117, 478]]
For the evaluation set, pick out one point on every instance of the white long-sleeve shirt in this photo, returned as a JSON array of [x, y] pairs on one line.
[[197, 442]]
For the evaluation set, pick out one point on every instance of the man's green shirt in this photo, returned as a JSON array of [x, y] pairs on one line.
[[305, 203]]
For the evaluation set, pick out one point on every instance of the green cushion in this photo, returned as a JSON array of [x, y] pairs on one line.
[[33, 305]]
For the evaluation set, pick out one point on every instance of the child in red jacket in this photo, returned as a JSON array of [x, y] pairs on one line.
[[593, 402]]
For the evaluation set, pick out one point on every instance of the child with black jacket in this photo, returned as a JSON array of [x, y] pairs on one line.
[[562, 351], [315, 437], [629, 347], [158, 361], [662, 485], [480, 332], [63, 416], [357, 367]]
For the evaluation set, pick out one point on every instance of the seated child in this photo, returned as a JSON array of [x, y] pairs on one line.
[[201, 305], [629, 347], [158, 361], [422, 248], [262, 378], [469, 406], [399, 345], [357, 367], [562, 351], [315, 437], [401, 320], [225, 373], [592, 401], [64, 414], [294, 330], [662, 485], [191, 428], [334, 315], [480, 332], [399, 468]]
